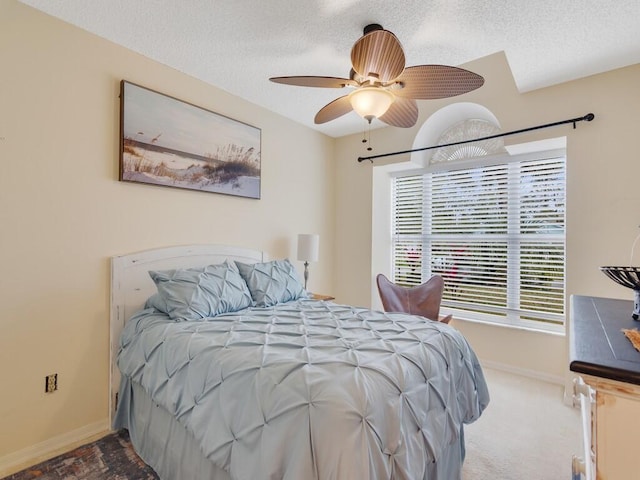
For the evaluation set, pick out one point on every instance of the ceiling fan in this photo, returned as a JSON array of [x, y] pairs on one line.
[[383, 87]]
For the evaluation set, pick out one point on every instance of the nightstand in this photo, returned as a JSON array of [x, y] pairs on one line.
[[317, 296]]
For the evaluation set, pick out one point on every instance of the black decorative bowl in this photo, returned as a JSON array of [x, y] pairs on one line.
[[627, 277]]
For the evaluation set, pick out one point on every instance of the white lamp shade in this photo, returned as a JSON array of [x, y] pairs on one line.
[[308, 247], [371, 101]]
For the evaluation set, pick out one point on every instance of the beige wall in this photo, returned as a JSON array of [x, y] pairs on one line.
[[603, 198], [63, 213]]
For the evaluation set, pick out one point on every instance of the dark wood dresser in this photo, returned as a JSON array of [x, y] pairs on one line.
[[608, 387]]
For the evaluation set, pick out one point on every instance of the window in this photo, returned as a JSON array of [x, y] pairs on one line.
[[494, 231]]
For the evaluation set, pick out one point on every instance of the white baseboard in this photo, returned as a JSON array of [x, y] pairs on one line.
[[535, 374], [34, 454], [566, 382]]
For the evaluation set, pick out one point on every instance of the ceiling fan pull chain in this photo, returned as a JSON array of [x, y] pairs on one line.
[[367, 133]]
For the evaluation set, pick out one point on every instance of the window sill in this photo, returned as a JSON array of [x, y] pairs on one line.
[[555, 330]]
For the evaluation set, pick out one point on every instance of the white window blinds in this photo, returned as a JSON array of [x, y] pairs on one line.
[[495, 233]]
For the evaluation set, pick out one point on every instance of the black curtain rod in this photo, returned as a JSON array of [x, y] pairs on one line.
[[587, 118]]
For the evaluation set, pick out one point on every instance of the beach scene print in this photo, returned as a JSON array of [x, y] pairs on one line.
[[172, 143]]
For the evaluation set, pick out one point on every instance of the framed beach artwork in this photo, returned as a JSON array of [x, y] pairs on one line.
[[165, 141]]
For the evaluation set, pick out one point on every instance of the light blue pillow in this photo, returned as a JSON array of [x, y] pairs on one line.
[[158, 302], [272, 282], [197, 293]]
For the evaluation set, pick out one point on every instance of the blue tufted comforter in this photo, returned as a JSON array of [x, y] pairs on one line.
[[311, 390]]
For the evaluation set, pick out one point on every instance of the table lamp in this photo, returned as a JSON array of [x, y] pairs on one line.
[[308, 248]]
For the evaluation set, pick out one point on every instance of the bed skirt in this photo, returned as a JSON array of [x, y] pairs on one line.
[[158, 438], [172, 451]]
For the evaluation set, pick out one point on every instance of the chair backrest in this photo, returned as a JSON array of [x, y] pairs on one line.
[[423, 300]]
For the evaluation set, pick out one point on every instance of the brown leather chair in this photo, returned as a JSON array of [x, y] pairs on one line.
[[423, 300]]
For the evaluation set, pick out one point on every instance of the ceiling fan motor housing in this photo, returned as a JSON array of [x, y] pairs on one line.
[[372, 27]]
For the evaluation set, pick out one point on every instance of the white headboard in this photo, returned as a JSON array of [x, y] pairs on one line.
[[131, 285]]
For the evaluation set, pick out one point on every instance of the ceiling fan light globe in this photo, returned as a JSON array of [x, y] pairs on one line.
[[371, 101]]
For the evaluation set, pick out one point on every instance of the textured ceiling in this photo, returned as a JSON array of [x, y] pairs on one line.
[[237, 45]]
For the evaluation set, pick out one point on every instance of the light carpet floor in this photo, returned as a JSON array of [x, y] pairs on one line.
[[526, 432]]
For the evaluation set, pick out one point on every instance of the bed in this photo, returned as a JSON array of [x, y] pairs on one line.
[[249, 378]]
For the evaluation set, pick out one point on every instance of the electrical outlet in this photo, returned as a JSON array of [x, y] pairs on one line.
[[51, 383]]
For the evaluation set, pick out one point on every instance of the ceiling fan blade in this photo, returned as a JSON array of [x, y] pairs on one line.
[[428, 82], [380, 53], [310, 81], [333, 110], [403, 112]]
